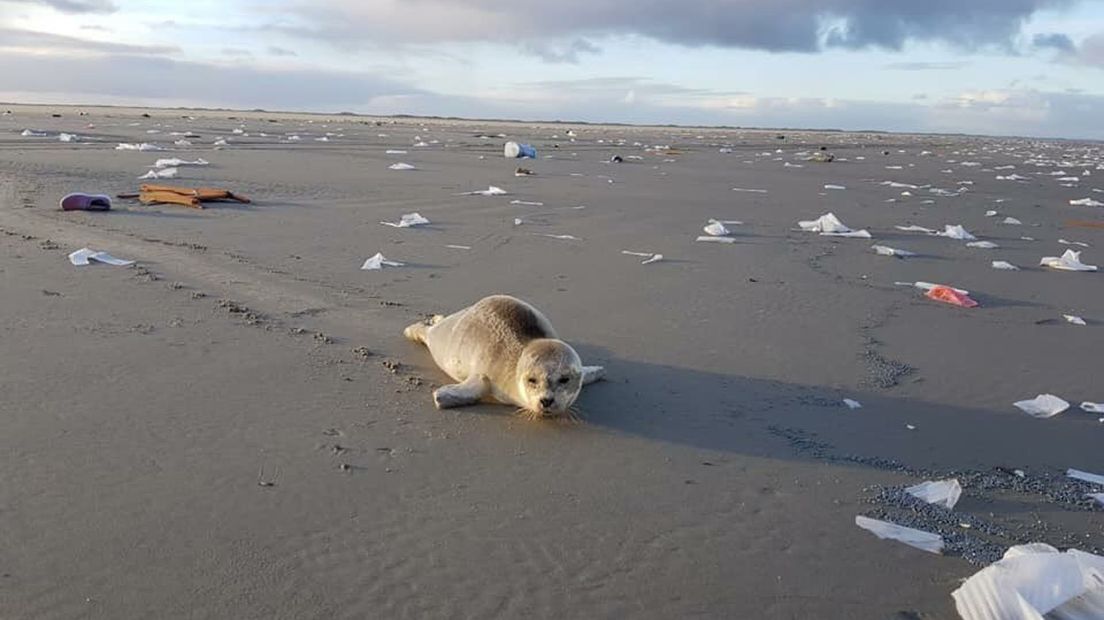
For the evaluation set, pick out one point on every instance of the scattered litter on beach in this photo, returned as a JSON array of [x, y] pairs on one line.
[[1004, 265], [30, 133], [750, 191], [925, 541], [1034, 581], [85, 202], [982, 245], [144, 146], [951, 296], [490, 191], [1076, 320], [709, 239], [459, 247], [914, 228], [165, 173], [1092, 407], [884, 250], [85, 256], [560, 237], [395, 152], [717, 228], [401, 166], [379, 262], [1086, 202], [648, 257], [527, 203], [852, 403], [1070, 261], [176, 162], [835, 187], [830, 225], [408, 220], [943, 493], [956, 232], [1042, 406], [1081, 244], [514, 150]]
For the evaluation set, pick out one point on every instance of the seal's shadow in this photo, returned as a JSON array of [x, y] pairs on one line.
[[727, 413]]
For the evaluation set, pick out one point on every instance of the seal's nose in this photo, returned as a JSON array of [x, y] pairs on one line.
[[547, 401]]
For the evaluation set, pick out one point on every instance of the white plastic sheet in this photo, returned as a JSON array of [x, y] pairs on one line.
[[1076, 320], [1004, 265], [1086, 202], [956, 231], [708, 239], [1092, 407], [943, 493], [1033, 582], [85, 256], [1043, 406], [648, 257], [830, 225], [164, 173], [852, 403], [401, 166], [144, 146], [408, 220], [379, 262], [982, 245], [884, 250], [176, 162], [490, 191], [925, 541], [1070, 261], [1085, 476]]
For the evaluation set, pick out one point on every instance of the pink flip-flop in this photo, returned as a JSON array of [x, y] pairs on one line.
[[86, 202]]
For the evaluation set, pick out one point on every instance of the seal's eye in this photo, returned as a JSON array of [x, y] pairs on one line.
[[532, 380], [564, 380]]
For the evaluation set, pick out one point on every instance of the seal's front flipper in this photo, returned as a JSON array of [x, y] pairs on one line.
[[462, 394], [593, 373]]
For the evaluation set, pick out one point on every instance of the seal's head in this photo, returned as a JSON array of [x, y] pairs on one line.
[[549, 376]]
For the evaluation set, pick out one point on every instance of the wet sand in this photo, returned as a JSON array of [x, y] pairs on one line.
[[234, 427]]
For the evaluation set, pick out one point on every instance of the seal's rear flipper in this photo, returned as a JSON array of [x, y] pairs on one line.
[[593, 373], [469, 392]]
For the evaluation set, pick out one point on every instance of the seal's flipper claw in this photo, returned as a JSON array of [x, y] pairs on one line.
[[469, 392], [416, 332], [593, 373]]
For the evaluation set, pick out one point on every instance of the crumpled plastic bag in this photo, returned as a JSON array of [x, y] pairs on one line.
[[830, 225], [83, 257], [378, 262], [982, 245], [943, 493], [1070, 261], [1004, 265], [949, 295], [1032, 582], [164, 173], [1092, 407], [956, 232], [925, 541], [716, 228], [1042, 406], [490, 191], [884, 250], [408, 220]]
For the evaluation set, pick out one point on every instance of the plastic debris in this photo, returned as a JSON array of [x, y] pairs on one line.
[[951, 296], [884, 250], [1042, 406], [1076, 320], [85, 202], [716, 228], [144, 146], [379, 262], [915, 228], [401, 166], [164, 173], [1011, 221], [1070, 261], [408, 220], [1032, 582], [394, 152], [925, 541], [852, 404], [1092, 407], [527, 203], [1077, 243], [84, 256], [1086, 202], [750, 191], [1085, 476], [835, 187], [982, 245], [956, 232], [708, 239], [513, 150], [648, 257], [943, 493], [560, 237], [991, 213], [30, 133], [1004, 265], [490, 191], [927, 286], [175, 162], [830, 225]]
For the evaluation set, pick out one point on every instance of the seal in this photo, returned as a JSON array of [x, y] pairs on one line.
[[501, 349]]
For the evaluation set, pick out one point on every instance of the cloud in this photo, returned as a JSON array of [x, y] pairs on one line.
[[274, 50], [1055, 41], [74, 6], [560, 54], [44, 41], [170, 82], [236, 52], [1091, 51], [926, 66], [773, 25]]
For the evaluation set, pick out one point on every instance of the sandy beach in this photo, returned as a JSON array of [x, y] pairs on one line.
[[234, 427]]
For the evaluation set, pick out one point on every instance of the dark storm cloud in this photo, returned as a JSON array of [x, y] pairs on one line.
[[772, 25]]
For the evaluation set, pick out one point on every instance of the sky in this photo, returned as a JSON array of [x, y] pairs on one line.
[[999, 67]]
